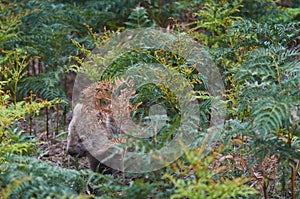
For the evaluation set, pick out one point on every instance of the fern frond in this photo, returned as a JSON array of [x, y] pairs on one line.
[[270, 115], [139, 18], [45, 85], [45, 180]]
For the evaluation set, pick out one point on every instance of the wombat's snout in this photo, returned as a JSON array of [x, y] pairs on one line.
[[76, 151], [71, 152]]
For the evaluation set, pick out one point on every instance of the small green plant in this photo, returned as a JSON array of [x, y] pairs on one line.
[[213, 19], [198, 178], [13, 69], [9, 114], [10, 22], [139, 19]]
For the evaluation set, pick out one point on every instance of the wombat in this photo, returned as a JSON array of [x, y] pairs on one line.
[[75, 146]]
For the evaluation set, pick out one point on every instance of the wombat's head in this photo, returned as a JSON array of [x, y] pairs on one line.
[[75, 146]]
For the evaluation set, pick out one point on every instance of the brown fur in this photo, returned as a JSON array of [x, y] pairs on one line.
[[95, 115]]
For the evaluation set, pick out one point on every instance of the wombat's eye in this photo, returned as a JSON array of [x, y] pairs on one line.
[[80, 140], [103, 102]]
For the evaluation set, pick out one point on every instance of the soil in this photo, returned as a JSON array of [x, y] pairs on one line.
[[54, 150], [53, 147]]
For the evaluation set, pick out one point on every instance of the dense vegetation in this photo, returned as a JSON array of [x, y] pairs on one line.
[[255, 45]]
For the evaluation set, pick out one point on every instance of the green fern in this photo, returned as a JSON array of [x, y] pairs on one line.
[[213, 19], [139, 19], [202, 182], [13, 140], [264, 11], [9, 23], [261, 61], [270, 80], [270, 115], [46, 85], [27, 177], [24, 177], [248, 33], [13, 65]]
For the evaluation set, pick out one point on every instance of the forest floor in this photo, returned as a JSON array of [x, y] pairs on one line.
[[54, 150], [53, 147]]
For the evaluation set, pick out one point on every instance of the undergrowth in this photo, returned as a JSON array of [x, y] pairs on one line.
[[255, 46]]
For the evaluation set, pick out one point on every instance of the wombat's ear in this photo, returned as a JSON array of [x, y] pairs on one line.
[[74, 147]]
